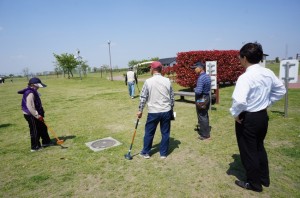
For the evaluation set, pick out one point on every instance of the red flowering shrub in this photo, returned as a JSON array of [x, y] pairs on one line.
[[228, 66], [167, 71]]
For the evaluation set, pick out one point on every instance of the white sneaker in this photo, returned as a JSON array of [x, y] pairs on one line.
[[146, 156], [163, 157], [35, 150]]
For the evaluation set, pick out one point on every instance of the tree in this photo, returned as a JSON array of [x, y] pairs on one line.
[[57, 70], [84, 67], [11, 77], [143, 68], [277, 60], [132, 63], [67, 62], [26, 72]]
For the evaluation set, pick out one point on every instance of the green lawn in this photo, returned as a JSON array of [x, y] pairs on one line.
[[81, 111]]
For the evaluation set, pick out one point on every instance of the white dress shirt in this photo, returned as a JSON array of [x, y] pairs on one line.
[[255, 90]]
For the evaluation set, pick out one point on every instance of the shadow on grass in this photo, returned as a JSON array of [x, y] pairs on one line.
[[5, 125], [173, 144], [236, 168], [278, 113], [68, 137], [64, 138]]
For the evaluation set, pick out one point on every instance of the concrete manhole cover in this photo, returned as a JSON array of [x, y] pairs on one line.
[[99, 145]]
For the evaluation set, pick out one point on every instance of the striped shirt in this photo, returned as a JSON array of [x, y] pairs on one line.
[[157, 92], [203, 85], [255, 90]]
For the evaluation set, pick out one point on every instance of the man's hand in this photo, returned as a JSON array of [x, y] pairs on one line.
[[41, 118], [237, 119], [139, 114]]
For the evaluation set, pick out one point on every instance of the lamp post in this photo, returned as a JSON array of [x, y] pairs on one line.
[[111, 76], [78, 58]]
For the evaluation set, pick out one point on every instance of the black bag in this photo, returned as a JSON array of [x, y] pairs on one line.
[[172, 115], [202, 103], [213, 99]]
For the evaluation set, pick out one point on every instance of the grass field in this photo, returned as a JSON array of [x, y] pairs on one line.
[[81, 111]]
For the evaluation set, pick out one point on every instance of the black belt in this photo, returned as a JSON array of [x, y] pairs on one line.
[[256, 111]]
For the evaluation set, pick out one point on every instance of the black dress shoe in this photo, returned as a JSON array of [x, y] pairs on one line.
[[246, 185], [265, 184]]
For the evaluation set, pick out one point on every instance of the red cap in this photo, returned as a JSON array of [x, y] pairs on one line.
[[155, 64]]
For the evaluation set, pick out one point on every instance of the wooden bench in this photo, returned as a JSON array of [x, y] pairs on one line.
[[184, 93]]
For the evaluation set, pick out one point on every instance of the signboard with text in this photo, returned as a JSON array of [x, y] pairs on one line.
[[289, 68]]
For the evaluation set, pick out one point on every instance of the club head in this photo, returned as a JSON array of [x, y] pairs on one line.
[[63, 147], [128, 156], [59, 142]]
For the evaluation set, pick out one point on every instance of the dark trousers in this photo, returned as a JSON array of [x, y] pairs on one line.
[[250, 138], [37, 130], [203, 119], [153, 120]]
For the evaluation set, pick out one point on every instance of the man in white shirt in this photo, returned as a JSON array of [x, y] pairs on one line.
[[130, 80], [254, 92]]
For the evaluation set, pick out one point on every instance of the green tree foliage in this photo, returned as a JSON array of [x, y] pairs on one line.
[[84, 67], [142, 68], [66, 62], [277, 60], [132, 63]]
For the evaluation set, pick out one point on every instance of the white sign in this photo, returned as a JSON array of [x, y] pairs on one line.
[[211, 67], [213, 82], [292, 67]]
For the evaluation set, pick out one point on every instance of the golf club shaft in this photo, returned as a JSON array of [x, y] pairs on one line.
[[137, 122], [53, 133]]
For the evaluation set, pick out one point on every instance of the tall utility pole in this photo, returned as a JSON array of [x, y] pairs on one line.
[[111, 76], [78, 58]]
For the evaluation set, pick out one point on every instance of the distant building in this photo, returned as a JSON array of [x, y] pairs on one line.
[[166, 62]]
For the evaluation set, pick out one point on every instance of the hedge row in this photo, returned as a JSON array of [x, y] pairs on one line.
[[228, 66]]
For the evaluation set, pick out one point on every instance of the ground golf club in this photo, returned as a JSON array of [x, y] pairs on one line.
[[128, 155], [58, 141]]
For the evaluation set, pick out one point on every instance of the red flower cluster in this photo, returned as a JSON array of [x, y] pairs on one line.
[[167, 70], [228, 66]]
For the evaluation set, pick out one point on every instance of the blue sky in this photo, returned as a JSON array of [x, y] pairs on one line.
[[32, 30]]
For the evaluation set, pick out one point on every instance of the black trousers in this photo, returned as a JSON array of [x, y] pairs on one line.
[[37, 130], [203, 119], [250, 138]]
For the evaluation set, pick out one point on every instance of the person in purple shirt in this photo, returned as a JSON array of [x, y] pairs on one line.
[[34, 114]]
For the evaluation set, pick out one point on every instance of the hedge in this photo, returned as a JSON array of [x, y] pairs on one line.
[[228, 66]]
